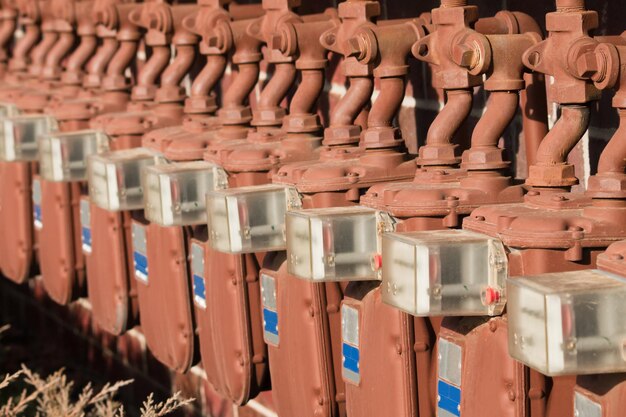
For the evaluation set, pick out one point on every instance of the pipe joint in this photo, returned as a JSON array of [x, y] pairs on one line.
[[564, 56], [457, 52]]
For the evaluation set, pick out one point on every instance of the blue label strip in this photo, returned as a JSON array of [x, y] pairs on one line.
[[37, 214], [86, 234], [199, 290], [270, 321], [351, 356], [449, 398], [141, 266]]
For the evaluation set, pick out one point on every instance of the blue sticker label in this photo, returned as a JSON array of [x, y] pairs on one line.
[[86, 237], [448, 399], [351, 356], [270, 321], [270, 310], [37, 216], [199, 291], [141, 266]]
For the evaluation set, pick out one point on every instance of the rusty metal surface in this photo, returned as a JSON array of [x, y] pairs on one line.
[[169, 333], [230, 326], [16, 221], [108, 271]]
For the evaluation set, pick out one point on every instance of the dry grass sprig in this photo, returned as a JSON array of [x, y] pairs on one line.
[[53, 397], [152, 409]]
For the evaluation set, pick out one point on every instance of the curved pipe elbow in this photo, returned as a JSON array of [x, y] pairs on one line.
[[98, 63], [507, 23], [210, 75], [450, 118], [278, 87], [386, 106], [243, 83], [308, 92], [24, 46], [501, 109], [7, 30], [39, 52], [356, 98], [613, 157], [122, 58], [81, 55], [155, 66], [60, 50], [565, 134], [527, 24], [175, 72]]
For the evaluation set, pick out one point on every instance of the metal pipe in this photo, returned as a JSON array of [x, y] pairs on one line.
[[59, 51], [565, 134], [243, 83], [7, 30], [154, 67], [453, 3], [570, 5], [534, 106], [388, 103], [500, 110], [356, 98], [24, 46], [457, 108], [81, 55], [39, 52], [175, 72], [98, 63], [308, 92], [245, 11], [122, 58], [278, 87], [210, 75], [613, 157]]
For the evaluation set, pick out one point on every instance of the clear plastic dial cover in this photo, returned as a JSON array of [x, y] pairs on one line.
[[568, 323], [249, 219], [115, 178], [175, 194], [19, 135], [447, 272], [63, 155], [332, 244]]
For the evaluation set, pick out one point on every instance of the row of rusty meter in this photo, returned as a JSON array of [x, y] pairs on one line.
[[364, 281]]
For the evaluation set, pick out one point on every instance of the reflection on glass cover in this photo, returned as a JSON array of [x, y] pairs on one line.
[[568, 322], [115, 178], [447, 272]]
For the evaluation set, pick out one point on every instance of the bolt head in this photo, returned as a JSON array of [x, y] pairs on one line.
[[463, 55], [353, 48], [587, 65]]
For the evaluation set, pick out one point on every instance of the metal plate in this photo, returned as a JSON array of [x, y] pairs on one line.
[[197, 270], [350, 347], [584, 407], [85, 223], [270, 315], [140, 258], [449, 383], [37, 217]]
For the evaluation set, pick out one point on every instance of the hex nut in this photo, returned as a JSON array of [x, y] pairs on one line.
[[552, 176]]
